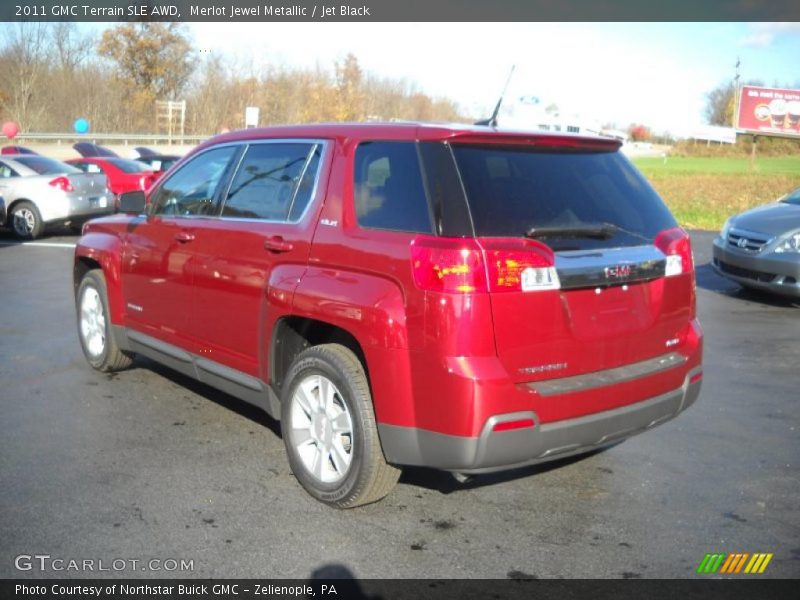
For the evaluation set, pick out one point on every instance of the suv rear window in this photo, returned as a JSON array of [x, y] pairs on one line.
[[389, 193], [511, 189]]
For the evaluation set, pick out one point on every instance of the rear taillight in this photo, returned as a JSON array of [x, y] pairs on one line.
[[677, 247], [447, 265], [62, 183], [467, 265], [517, 265], [145, 181]]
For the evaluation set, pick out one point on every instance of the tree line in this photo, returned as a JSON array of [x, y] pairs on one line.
[[54, 73]]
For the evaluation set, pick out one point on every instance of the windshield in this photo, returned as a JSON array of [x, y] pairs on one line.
[[128, 166], [792, 197], [512, 190], [45, 166]]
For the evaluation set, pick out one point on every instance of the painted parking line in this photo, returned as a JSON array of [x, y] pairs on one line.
[[40, 244]]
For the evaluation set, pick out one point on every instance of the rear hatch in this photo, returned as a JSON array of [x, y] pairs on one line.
[[586, 267]]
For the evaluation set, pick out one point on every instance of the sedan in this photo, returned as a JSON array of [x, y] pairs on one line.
[[124, 175], [760, 248], [38, 192]]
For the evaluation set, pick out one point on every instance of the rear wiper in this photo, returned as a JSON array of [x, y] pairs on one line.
[[598, 231]]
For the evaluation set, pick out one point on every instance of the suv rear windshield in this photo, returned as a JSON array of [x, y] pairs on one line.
[[512, 189]]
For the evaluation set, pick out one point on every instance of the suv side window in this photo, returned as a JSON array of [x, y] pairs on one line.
[[190, 191], [273, 180], [389, 193]]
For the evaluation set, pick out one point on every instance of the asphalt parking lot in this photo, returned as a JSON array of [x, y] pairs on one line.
[[147, 464]]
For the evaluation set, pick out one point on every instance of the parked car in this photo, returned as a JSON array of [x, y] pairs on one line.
[[91, 150], [160, 163], [760, 248], [40, 192], [124, 175], [16, 150], [459, 298]]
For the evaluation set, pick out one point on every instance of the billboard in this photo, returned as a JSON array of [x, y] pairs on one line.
[[769, 111]]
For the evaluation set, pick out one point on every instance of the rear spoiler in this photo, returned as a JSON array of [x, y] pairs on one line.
[[544, 140]]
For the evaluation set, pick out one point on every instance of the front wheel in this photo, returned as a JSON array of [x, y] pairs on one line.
[[329, 429], [94, 325]]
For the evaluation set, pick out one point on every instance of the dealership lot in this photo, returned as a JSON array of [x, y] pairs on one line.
[[147, 464]]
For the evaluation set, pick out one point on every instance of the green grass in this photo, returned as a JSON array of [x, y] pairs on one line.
[[784, 165], [703, 192]]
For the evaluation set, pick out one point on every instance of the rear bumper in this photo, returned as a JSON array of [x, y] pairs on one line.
[[500, 450], [776, 273], [74, 208]]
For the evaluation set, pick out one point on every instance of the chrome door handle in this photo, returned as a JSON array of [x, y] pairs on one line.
[[277, 244], [184, 237]]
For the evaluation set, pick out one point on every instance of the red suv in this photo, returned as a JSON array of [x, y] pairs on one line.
[[460, 298]]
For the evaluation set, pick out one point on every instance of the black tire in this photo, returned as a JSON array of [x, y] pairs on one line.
[[26, 221], [109, 357], [368, 478]]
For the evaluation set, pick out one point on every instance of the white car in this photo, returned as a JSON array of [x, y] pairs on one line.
[[38, 192]]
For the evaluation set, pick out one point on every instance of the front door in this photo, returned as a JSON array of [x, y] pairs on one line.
[[159, 254]]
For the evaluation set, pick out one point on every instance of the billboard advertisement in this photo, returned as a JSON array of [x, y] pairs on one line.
[[769, 111]]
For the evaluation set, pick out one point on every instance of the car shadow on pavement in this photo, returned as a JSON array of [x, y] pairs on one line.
[[446, 483], [707, 279], [232, 403]]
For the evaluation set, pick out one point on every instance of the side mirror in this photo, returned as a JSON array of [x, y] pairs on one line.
[[132, 202]]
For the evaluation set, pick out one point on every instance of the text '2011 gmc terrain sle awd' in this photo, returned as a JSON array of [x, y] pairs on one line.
[[466, 299]]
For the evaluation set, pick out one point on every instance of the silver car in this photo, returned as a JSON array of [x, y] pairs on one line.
[[38, 192], [760, 248]]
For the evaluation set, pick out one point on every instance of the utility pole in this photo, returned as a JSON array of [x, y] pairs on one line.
[[736, 92]]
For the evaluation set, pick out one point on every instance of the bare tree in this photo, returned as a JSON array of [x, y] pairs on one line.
[[24, 68]]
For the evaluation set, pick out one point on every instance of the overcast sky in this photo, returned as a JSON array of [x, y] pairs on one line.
[[656, 74]]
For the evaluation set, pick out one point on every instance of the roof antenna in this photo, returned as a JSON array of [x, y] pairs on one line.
[[492, 121]]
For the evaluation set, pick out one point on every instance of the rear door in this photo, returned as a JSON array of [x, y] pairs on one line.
[[591, 301], [249, 257]]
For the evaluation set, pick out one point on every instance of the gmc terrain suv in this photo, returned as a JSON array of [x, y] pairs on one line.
[[466, 299]]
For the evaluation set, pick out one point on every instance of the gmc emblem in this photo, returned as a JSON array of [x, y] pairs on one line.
[[617, 272]]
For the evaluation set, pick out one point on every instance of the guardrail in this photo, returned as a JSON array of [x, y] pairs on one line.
[[117, 138]]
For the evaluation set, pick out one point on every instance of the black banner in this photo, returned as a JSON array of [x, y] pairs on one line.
[[394, 10], [394, 589]]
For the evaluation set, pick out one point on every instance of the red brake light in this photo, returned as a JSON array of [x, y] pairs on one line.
[[459, 265], [519, 265], [146, 180], [62, 183], [447, 265], [675, 243]]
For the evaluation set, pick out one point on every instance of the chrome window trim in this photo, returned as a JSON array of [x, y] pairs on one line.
[[313, 143]]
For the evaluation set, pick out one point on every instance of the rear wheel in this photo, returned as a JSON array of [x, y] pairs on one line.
[[329, 429], [26, 221], [94, 325]]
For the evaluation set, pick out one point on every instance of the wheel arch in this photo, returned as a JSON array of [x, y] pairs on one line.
[[292, 334], [102, 251]]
